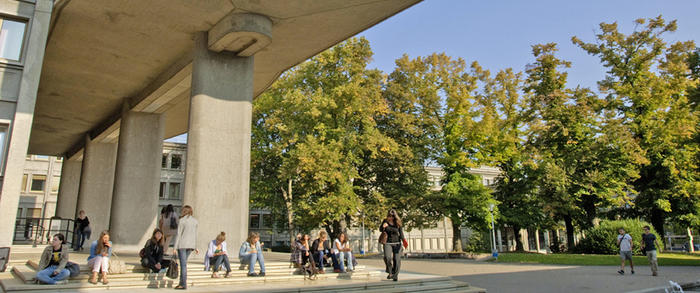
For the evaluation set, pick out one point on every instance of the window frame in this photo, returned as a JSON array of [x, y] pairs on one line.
[[25, 36], [31, 181]]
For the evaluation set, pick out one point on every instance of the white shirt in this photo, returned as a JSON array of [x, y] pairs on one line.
[[625, 242], [337, 246]]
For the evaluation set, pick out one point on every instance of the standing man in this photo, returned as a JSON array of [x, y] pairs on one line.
[[648, 241], [624, 241]]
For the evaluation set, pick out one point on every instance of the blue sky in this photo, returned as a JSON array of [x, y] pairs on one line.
[[498, 33]]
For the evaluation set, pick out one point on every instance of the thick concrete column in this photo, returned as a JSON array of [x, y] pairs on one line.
[[218, 143], [21, 125], [137, 177], [96, 184], [69, 187]]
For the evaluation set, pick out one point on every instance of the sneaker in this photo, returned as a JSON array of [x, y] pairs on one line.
[[632, 272], [336, 270], [252, 275], [261, 274], [621, 272], [654, 274], [61, 282]]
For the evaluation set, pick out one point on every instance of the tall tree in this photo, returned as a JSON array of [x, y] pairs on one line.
[[647, 85]]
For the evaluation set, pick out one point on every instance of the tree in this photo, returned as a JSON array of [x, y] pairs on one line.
[[316, 138], [647, 85]]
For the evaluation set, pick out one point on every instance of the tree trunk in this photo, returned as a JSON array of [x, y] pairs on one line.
[[290, 212], [569, 232], [657, 220], [456, 238], [518, 238]]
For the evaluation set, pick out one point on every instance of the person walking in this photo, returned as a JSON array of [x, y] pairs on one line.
[[168, 224], [98, 261], [153, 253], [82, 230], [216, 255], [52, 265], [648, 241], [185, 242], [624, 241], [393, 248], [250, 253]]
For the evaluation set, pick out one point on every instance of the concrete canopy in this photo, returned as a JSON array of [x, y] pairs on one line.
[[101, 54]]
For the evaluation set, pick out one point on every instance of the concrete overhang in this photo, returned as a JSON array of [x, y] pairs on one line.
[[103, 54]]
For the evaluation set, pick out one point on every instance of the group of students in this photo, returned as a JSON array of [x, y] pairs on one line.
[[649, 244], [320, 250], [54, 258]]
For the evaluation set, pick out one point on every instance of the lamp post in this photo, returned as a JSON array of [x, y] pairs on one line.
[[494, 252]]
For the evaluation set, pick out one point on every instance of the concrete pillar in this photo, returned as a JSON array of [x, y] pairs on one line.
[[137, 178], [96, 184], [20, 128], [537, 240], [218, 143], [68, 189]]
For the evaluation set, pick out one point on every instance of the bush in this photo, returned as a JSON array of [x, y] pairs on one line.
[[479, 241], [603, 238]]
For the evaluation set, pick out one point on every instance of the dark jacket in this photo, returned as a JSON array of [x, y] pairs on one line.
[[315, 244], [393, 232], [153, 253], [81, 224]]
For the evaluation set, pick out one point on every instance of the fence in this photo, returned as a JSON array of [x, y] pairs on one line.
[[40, 230], [680, 242]]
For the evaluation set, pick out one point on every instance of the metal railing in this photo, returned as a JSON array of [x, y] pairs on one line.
[[39, 230]]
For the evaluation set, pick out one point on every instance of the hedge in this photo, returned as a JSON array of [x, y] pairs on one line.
[[602, 239]]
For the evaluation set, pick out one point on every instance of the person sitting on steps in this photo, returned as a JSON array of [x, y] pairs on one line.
[[217, 255], [250, 253], [52, 265], [153, 253], [98, 261]]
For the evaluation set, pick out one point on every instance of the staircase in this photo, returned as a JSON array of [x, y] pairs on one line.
[[279, 278]]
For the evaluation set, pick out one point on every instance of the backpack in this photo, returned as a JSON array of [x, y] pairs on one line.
[[173, 222]]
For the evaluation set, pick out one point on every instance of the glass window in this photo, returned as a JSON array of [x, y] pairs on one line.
[[11, 38], [161, 192], [266, 221], [175, 161], [43, 158], [55, 181], [24, 182], [33, 213], [164, 161], [174, 191], [38, 182], [3, 138], [255, 220]]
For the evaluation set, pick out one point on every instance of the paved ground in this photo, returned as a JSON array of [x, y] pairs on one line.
[[546, 278]]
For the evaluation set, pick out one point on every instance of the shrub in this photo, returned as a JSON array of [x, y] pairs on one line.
[[603, 238], [479, 241]]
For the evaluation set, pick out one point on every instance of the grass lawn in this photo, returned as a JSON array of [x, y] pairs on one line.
[[665, 259]]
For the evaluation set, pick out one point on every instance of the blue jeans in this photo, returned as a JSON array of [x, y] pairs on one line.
[[183, 254], [80, 240], [319, 258], [342, 256], [251, 258], [218, 260], [45, 275]]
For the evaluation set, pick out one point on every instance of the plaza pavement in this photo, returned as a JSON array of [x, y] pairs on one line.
[[503, 278]]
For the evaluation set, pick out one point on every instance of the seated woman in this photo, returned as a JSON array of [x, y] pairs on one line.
[[52, 265], [300, 253], [153, 253], [217, 255], [250, 253], [342, 250], [98, 261]]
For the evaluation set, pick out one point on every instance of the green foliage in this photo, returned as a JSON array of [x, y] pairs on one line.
[[479, 241], [602, 239]]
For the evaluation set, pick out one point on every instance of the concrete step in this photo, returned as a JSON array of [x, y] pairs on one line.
[[433, 284], [16, 284], [27, 273], [137, 268]]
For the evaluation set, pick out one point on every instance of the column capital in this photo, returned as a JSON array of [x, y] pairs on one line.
[[242, 33]]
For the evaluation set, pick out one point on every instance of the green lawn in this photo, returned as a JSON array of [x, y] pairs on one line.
[[665, 259]]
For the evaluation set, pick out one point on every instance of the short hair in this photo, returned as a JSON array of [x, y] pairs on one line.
[[647, 227], [60, 237], [322, 234]]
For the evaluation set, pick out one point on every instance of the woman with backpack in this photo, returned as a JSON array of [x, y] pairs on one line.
[[168, 225], [152, 257]]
